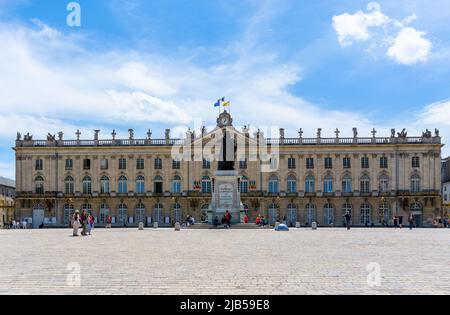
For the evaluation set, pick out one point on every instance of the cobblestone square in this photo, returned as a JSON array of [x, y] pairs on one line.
[[301, 261]]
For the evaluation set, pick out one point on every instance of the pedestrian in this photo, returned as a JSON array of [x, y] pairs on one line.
[[411, 221], [400, 221], [76, 223], [258, 220], [348, 219], [84, 223], [246, 219], [91, 221], [228, 218], [108, 222], [395, 221]]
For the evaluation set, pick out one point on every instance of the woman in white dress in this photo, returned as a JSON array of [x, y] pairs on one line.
[[76, 223]]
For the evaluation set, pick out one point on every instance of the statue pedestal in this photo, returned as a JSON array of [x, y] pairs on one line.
[[226, 197]]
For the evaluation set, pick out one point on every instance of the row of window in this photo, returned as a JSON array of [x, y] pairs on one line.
[[140, 163], [206, 185]]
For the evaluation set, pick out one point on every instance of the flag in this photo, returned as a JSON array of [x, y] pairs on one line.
[[217, 104], [226, 104]]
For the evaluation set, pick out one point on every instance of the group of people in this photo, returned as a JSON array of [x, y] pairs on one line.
[[190, 220], [261, 220], [16, 225], [226, 220], [84, 221]]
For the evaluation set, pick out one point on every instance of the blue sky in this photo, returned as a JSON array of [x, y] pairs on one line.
[[156, 64]]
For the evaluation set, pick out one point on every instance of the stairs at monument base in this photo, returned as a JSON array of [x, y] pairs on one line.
[[239, 226]]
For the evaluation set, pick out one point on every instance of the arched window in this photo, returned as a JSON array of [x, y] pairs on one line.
[[310, 214], [177, 213], [292, 214], [176, 184], [158, 213], [273, 184], [104, 185], [140, 185], [243, 185], [415, 183], [384, 184], [346, 184], [123, 185], [206, 185], [416, 207], [86, 207], [346, 208], [39, 184], [365, 214], [328, 211], [87, 185], [273, 213], [310, 184], [104, 213], [328, 184], [139, 213], [69, 186], [68, 213], [383, 214], [123, 213], [291, 184], [365, 184], [158, 185]]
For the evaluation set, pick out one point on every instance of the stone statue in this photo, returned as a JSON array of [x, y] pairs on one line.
[[131, 134], [19, 136], [60, 136], [28, 137], [78, 133], [203, 131], [355, 132], [300, 133], [319, 133], [402, 134], [426, 134], [149, 134], [51, 137], [167, 134], [281, 133], [436, 132], [114, 134], [96, 132], [392, 133], [245, 129]]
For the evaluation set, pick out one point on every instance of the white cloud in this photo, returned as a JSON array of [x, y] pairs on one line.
[[355, 27], [405, 45], [410, 47], [437, 113]]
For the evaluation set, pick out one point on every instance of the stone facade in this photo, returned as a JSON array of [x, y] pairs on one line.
[[313, 179], [7, 193]]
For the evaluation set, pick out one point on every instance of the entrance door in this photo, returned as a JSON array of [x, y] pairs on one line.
[[38, 217], [418, 220]]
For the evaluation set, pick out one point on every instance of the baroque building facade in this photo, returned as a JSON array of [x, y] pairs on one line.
[[306, 179], [7, 194]]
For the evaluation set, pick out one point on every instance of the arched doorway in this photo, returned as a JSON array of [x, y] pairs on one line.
[[291, 215], [417, 212], [38, 216]]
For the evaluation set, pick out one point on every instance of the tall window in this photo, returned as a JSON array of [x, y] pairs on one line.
[[310, 214], [291, 184], [69, 185], [177, 213], [384, 183], [243, 164], [346, 162], [206, 185], [383, 162], [123, 213], [291, 214], [68, 213], [140, 185], [104, 185], [365, 214], [365, 184], [39, 184], [86, 164], [158, 185], [39, 166], [309, 184], [123, 185], [347, 184], [104, 213], [415, 183], [176, 165], [328, 161], [206, 164], [243, 185], [104, 164], [273, 184], [310, 163], [291, 163], [415, 161], [158, 164], [273, 163], [139, 214], [328, 211], [273, 213], [346, 208], [176, 184], [122, 164], [140, 164], [328, 184], [87, 185], [364, 162], [69, 164], [158, 213]]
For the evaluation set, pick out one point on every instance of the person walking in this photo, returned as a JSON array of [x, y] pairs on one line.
[[228, 218], [76, 223], [395, 221], [84, 219], [108, 222], [246, 219], [348, 219], [411, 221], [400, 221], [90, 222]]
